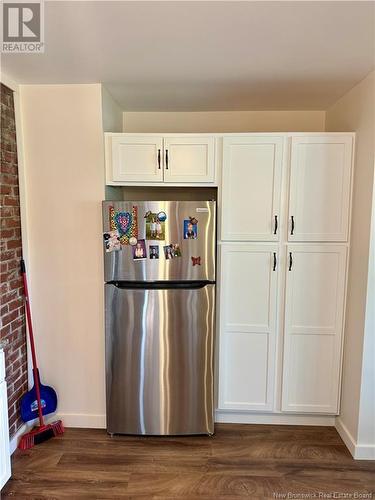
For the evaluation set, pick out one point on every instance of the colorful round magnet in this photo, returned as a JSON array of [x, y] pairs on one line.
[[162, 216], [133, 241]]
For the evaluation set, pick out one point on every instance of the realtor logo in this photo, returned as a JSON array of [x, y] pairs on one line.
[[23, 27]]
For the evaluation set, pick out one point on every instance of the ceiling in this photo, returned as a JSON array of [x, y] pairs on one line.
[[196, 56]]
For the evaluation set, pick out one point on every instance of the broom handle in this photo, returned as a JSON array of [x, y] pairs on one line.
[[32, 345]]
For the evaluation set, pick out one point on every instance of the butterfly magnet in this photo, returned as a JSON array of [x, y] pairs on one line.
[[196, 261]]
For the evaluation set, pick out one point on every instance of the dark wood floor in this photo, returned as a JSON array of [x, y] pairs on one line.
[[253, 461]]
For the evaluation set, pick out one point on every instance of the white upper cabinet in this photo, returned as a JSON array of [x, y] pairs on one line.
[[189, 159], [137, 158], [251, 188], [314, 306], [248, 291], [320, 180], [147, 159]]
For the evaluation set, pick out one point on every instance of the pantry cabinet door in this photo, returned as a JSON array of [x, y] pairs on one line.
[[251, 188], [189, 159], [137, 158], [320, 180], [314, 307], [248, 291]]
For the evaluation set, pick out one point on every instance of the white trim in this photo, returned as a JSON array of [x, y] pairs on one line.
[[162, 184], [90, 421], [358, 451], [5, 465], [233, 417], [83, 420], [345, 435], [231, 134]]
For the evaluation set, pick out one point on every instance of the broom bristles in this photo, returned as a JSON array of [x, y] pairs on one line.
[[58, 427], [41, 434]]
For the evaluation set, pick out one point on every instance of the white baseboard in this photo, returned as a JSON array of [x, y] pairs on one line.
[[272, 418], [15, 439], [358, 451], [99, 421], [82, 420], [345, 436]]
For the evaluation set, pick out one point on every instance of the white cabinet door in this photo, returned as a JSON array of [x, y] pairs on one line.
[[248, 291], [315, 290], [136, 158], [320, 182], [251, 187], [189, 159]]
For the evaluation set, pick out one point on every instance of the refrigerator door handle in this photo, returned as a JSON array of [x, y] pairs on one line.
[[161, 285]]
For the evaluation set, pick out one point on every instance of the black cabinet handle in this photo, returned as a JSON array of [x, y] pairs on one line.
[[166, 159], [275, 229], [290, 261], [274, 261], [159, 167], [292, 228]]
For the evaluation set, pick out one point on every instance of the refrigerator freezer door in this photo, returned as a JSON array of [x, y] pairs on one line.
[[120, 265], [159, 360]]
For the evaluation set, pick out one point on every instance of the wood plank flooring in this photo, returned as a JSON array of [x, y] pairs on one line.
[[239, 461]]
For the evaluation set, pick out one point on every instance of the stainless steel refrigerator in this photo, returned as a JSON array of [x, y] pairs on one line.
[[159, 266]]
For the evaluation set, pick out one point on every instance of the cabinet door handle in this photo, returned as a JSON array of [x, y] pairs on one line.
[[166, 159], [159, 158], [292, 228], [275, 228], [290, 261], [274, 261]]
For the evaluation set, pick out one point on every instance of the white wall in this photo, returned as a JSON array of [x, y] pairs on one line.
[[111, 113], [64, 166], [224, 121], [355, 112], [366, 428], [112, 122]]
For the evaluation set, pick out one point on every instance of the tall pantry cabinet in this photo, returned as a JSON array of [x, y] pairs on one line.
[[283, 252]]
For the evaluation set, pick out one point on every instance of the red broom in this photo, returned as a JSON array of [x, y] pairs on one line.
[[43, 431]]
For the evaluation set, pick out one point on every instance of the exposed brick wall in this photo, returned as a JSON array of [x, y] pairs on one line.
[[12, 313]]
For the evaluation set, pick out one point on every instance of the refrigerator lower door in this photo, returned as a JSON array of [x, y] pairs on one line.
[[159, 360]]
